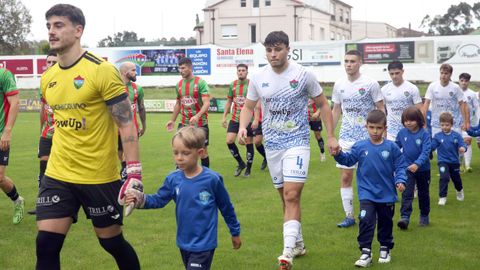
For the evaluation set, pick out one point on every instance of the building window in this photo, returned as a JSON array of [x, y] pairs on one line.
[[253, 33], [339, 37], [322, 33], [229, 31], [256, 3], [268, 3], [312, 32], [332, 35], [333, 11], [347, 18], [341, 15], [243, 3]]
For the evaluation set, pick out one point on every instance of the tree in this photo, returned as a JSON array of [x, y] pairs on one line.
[[127, 38], [459, 20], [15, 24]]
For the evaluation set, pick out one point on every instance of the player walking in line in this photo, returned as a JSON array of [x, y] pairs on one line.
[[193, 101], [474, 109], [283, 88], [353, 97]]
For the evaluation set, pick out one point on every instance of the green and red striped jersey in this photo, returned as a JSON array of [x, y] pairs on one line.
[[8, 87], [48, 125], [312, 108], [190, 93], [237, 92], [135, 93]]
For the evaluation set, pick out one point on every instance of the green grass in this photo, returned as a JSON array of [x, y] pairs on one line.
[[450, 242]]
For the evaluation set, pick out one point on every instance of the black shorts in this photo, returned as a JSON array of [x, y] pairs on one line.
[[258, 130], [205, 128], [58, 199], [315, 125], [120, 146], [44, 147], [4, 156], [197, 260], [233, 127]]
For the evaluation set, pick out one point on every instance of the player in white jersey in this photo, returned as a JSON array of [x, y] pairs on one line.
[[446, 96], [473, 107], [353, 97], [283, 88], [398, 95]]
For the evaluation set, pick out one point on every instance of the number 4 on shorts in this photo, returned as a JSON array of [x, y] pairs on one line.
[[299, 162]]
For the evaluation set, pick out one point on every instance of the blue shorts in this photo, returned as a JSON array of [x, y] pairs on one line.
[[197, 260]]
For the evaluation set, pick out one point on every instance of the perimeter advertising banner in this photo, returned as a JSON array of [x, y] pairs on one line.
[[458, 51], [385, 52]]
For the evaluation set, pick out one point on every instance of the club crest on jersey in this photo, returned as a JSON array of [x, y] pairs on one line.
[[406, 93], [455, 141], [450, 93], [204, 197], [385, 154], [78, 82], [294, 84], [265, 84], [361, 91], [418, 141]]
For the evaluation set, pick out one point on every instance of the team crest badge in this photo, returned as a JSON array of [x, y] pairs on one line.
[[294, 84], [450, 93], [418, 141], [455, 141], [406, 93], [385, 154], [78, 82], [361, 91], [204, 197]]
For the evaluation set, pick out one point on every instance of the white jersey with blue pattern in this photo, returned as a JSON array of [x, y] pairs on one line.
[[445, 99], [397, 99], [357, 99], [473, 107], [284, 100]]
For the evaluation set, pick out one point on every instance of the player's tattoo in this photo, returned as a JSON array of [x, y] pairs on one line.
[[129, 139], [121, 112]]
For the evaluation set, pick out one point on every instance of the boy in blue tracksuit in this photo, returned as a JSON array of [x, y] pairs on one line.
[[416, 144], [198, 193], [380, 173], [448, 144]]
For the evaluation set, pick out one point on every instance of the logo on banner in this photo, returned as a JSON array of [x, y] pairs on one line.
[[294, 84], [78, 82]]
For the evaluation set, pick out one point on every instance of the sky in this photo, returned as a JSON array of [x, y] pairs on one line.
[[153, 19]]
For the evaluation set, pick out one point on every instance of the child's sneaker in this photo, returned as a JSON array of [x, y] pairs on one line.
[[18, 208], [347, 222], [403, 223], [424, 221], [384, 255], [299, 250], [365, 259], [469, 169], [442, 201], [285, 261], [460, 195]]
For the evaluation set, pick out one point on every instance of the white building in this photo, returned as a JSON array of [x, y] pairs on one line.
[[366, 29], [243, 22]]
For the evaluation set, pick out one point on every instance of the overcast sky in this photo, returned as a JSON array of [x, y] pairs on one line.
[[154, 19]]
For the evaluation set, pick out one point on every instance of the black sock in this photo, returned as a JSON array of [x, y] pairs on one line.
[[122, 252], [234, 151], [250, 154], [43, 167], [321, 144], [206, 162], [49, 245], [13, 194], [261, 150]]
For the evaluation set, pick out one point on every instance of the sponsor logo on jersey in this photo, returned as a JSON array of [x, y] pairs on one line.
[[264, 85], [48, 200], [71, 123], [52, 84], [385, 154], [204, 197], [294, 84], [188, 101], [102, 211], [78, 82], [239, 100], [361, 91], [68, 106]]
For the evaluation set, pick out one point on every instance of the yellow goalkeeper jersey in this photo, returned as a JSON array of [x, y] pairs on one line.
[[84, 149]]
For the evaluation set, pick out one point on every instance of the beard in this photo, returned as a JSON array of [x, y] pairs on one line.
[[132, 78]]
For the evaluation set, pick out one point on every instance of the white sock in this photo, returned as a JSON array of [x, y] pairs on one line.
[[299, 241], [291, 230], [347, 200], [468, 156]]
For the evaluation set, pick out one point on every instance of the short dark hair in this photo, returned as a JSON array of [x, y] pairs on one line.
[[465, 76], [395, 65], [185, 61], [73, 13], [412, 113], [377, 117], [446, 117], [242, 65], [52, 53], [355, 52], [446, 67], [275, 38]]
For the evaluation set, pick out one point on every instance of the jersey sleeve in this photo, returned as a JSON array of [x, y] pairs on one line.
[[141, 94], [203, 87], [177, 92], [163, 196], [110, 85], [423, 158], [313, 87], [226, 207], [376, 92], [400, 165], [252, 92], [335, 94], [8, 84], [230, 91]]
